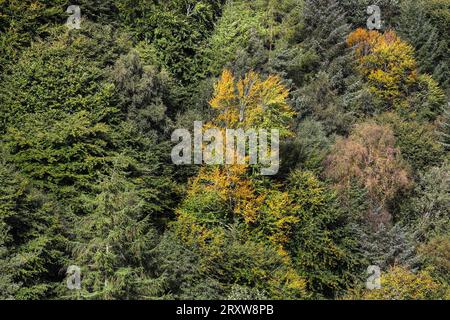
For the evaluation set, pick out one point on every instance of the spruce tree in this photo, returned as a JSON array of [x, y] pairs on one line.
[[444, 128], [431, 48], [32, 244], [115, 241], [8, 286], [325, 29]]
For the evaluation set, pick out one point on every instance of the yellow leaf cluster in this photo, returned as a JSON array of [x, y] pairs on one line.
[[252, 102], [280, 205], [399, 283], [386, 61], [233, 186]]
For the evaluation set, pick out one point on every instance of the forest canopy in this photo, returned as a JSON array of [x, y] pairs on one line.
[[91, 92]]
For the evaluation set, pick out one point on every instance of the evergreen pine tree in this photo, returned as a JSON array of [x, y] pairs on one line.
[[444, 128], [32, 244], [115, 242], [8, 287], [431, 49], [325, 29]]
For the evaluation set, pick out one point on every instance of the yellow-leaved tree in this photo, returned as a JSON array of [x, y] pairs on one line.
[[252, 102], [228, 208], [386, 61], [399, 283], [388, 65]]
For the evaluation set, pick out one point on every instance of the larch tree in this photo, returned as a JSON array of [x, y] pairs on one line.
[[369, 157]]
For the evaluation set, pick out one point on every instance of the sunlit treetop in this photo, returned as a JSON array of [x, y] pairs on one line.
[[252, 102]]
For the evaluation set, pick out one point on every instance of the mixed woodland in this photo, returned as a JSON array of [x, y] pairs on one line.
[[86, 176]]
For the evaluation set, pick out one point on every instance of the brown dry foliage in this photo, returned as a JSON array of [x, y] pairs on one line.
[[369, 157]]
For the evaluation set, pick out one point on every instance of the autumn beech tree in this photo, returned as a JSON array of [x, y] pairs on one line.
[[369, 157], [389, 67], [247, 103], [252, 102], [385, 60], [228, 205]]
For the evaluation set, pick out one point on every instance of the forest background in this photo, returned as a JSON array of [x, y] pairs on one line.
[[86, 178]]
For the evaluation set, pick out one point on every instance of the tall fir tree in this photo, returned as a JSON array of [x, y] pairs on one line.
[[115, 242]]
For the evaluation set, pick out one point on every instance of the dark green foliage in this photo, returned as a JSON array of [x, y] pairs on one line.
[[8, 287], [444, 128], [36, 84], [32, 241], [23, 21], [174, 31], [58, 126], [427, 208], [254, 35], [179, 265], [326, 29], [356, 12], [328, 89], [417, 141], [308, 149], [64, 141], [115, 241], [321, 100], [239, 30], [323, 247], [432, 50]]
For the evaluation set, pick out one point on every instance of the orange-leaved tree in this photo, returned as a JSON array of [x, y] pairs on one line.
[[386, 61], [390, 69]]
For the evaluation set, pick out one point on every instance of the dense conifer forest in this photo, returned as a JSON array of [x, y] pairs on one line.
[[88, 187]]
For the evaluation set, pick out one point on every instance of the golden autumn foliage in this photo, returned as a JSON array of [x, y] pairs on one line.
[[386, 61], [248, 103], [207, 241], [223, 195], [233, 188], [229, 190], [294, 283], [252, 102], [369, 156], [279, 208], [399, 283]]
